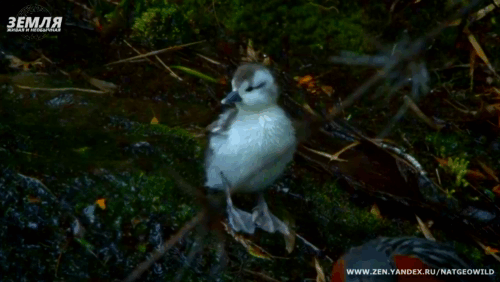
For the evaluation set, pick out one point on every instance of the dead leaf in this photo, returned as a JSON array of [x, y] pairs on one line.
[[490, 250], [475, 174], [497, 91], [442, 162], [328, 90], [267, 61], [32, 199], [472, 63], [305, 80], [486, 250], [496, 190], [136, 220], [258, 252], [479, 14], [479, 50], [17, 63], [101, 84], [251, 247], [425, 230], [223, 80], [488, 170], [252, 55], [319, 270], [289, 238], [101, 203]]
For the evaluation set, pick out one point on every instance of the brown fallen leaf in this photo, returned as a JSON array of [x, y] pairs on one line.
[[328, 90], [33, 200], [136, 220], [267, 61], [488, 170], [258, 252], [101, 203], [305, 80], [223, 80], [496, 190], [425, 230], [319, 271], [475, 174], [487, 250], [442, 162], [490, 250], [479, 51], [101, 84]]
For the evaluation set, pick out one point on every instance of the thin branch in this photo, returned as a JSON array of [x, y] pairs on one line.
[[157, 254], [152, 53], [413, 50], [420, 114], [62, 89], [260, 275]]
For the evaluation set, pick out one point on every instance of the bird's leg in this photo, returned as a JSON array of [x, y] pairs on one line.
[[266, 220], [239, 220]]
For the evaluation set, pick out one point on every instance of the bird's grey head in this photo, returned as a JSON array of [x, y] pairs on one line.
[[254, 88]]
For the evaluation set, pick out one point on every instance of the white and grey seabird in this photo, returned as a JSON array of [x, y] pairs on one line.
[[250, 146]]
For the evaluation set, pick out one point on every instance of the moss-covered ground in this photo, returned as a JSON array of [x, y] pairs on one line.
[[85, 193]]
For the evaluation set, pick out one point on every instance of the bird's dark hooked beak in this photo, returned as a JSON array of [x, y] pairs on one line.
[[231, 98]]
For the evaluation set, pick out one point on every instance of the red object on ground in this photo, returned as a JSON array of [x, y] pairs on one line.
[[400, 254]]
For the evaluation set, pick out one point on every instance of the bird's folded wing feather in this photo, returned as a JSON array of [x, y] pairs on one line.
[[216, 129], [223, 122]]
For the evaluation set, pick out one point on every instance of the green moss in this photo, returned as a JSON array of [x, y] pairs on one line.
[[448, 144], [458, 167], [160, 21], [299, 24], [341, 222], [473, 253]]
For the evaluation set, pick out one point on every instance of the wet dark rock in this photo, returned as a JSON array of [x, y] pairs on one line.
[[140, 148], [64, 99]]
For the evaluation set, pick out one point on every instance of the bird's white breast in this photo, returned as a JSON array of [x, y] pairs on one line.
[[250, 141]]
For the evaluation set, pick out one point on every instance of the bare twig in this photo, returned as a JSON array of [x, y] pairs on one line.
[[208, 59], [397, 59], [461, 110], [260, 275], [323, 7], [169, 69], [497, 257], [480, 14], [420, 114], [157, 58], [157, 254], [152, 53], [137, 51], [309, 244], [62, 89]]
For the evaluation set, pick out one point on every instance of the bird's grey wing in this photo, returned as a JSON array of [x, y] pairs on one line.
[[222, 123], [216, 132]]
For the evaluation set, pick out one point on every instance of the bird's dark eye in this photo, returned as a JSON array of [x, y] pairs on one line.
[[250, 88]]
